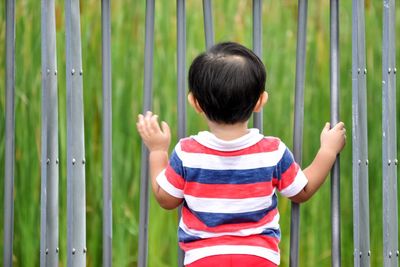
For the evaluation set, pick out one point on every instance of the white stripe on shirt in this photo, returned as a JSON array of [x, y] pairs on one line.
[[226, 205], [198, 253], [243, 162], [167, 186], [296, 186], [274, 224]]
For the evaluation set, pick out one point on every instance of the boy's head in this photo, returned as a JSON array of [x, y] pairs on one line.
[[227, 81]]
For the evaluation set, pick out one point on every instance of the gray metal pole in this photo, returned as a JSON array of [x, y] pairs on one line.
[[208, 23], [107, 133], [10, 135], [360, 139], [257, 48], [181, 81], [144, 174], [389, 135], [298, 122], [76, 203], [334, 88], [50, 171]]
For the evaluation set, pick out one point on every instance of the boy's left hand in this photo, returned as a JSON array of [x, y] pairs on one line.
[[154, 137]]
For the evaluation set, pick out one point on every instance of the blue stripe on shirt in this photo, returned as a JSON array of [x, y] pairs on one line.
[[206, 176], [215, 219], [276, 233], [285, 162], [176, 163], [185, 237]]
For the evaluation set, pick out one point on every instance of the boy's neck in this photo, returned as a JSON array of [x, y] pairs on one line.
[[228, 132]]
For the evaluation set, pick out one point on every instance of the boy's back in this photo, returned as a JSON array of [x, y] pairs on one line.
[[229, 191]]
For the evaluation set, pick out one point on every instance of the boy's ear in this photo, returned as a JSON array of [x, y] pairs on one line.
[[193, 102], [261, 102]]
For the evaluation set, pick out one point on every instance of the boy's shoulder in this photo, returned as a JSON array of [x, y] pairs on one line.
[[271, 143]]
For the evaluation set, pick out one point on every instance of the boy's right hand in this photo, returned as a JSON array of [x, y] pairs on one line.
[[155, 138], [333, 140]]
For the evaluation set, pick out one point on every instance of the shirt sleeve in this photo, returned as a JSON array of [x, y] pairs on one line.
[[289, 177], [171, 178]]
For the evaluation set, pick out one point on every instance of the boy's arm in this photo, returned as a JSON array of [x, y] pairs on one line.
[[157, 140], [332, 142]]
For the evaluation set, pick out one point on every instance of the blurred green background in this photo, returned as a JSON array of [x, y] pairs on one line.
[[232, 21]]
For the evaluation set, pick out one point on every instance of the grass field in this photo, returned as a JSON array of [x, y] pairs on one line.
[[232, 21]]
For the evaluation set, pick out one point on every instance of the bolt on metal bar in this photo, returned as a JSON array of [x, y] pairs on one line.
[[360, 139], [298, 122], [389, 135], [144, 174], [50, 170], [76, 202], [181, 83], [9, 135], [107, 133], [334, 92], [208, 23], [257, 48]]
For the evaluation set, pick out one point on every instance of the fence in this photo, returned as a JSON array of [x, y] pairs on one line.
[[75, 129]]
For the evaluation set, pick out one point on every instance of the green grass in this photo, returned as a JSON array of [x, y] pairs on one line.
[[232, 20]]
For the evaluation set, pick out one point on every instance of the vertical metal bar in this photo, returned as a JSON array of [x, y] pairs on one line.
[[389, 142], [360, 139], [76, 212], [257, 48], [298, 122], [107, 133], [148, 87], [181, 82], [208, 23], [334, 91], [50, 172], [10, 135], [355, 135]]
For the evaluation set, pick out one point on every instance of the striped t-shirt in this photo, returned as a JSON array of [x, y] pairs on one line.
[[229, 191]]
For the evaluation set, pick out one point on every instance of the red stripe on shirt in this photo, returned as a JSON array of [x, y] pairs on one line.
[[288, 176], [253, 240], [231, 191], [264, 145], [175, 179], [192, 222]]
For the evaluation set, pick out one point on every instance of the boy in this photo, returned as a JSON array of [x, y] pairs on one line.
[[227, 177]]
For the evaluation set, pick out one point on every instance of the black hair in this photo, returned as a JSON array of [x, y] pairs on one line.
[[227, 81]]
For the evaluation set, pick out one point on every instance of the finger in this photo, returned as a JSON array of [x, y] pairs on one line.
[[141, 129], [154, 124], [143, 125], [147, 121], [327, 126], [144, 130], [148, 114], [165, 129], [339, 126], [140, 118]]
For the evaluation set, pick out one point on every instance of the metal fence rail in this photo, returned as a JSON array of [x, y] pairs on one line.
[[389, 144], [50, 164], [208, 23], [257, 48], [147, 96], [181, 82], [10, 135], [360, 139], [76, 202], [298, 122], [107, 133], [335, 174]]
